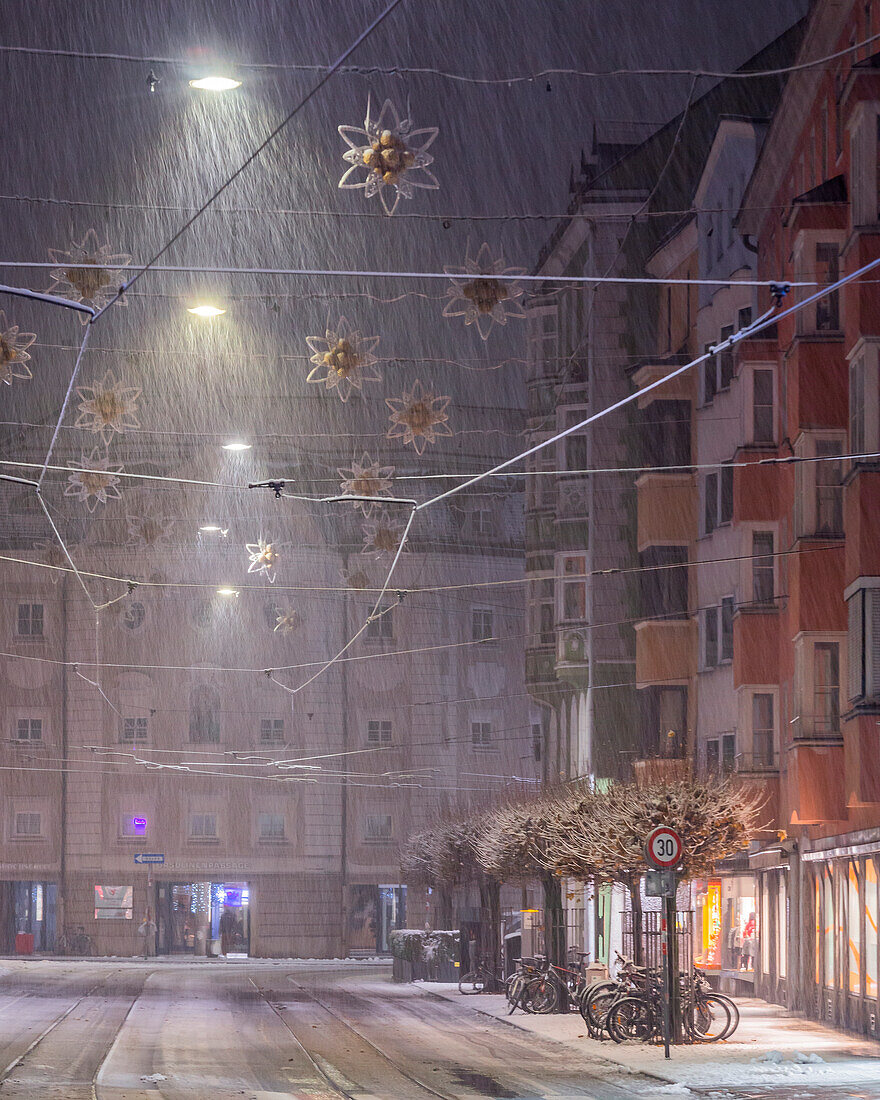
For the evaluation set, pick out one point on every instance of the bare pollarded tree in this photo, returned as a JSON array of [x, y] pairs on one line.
[[605, 841]]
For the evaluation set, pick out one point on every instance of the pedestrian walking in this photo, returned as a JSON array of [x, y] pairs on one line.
[[227, 930], [147, 930]]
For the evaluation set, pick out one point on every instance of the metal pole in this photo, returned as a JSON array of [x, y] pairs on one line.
[[664, 966], [674, 986]]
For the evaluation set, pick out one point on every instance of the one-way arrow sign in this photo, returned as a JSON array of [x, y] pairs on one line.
[[149, 857]]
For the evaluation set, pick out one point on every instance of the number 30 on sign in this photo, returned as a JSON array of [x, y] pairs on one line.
[[663, 848]]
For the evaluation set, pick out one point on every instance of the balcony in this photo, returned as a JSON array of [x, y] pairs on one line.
[[817, 729], [660, 770], [815, 781], [667, 509], [756, 645], [759, 774], [665, 652], [540, 666], [571, 654], [756, 763]]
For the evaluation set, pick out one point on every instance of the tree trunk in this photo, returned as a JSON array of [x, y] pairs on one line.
[[635, 892], [490, 924], [445, 908], [554, 919]]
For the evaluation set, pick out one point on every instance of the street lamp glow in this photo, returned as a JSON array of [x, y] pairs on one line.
[[215, 84], [227, 591], [206, 311], [236, 445], [211, 528]]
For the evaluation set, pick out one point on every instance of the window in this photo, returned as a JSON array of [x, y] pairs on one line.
[[721, 754], [725, 360], [270, 826], [829, 491], [383, 625], [710, 637], [710, 376], [828, 271], [664, 591], [762, 406], [271, 731], [762, 567], [481, 735], [826, 687], [378, 733], [29, 729], [30, 620], [482, 626], [203, 826], [857, 436], [114, 902], [727, 607], [710, 503], [725, 511], [666, 433], [204, 721], [134, 730], [744, 317], [482, 521], [379, 828], [574, 588], [713, 756], [28, 824], [537, 742], [576, 452], [546, 624], [762, 729]]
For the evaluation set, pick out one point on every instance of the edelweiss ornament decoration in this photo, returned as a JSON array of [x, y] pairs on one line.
[[263, 559], [152, 529], [108, 407], [343, 359], [478, 295], [287, 620], [52, 554], [382, 535], [356, 579], [392, 154], [95, 483], [87, 273], [13, 351], [366, 479], [418, 417]]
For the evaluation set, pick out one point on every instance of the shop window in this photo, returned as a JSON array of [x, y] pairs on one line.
[[782, 926], [828, 929], [30, 620], [817, 901], [204, 720], [378, 733], [270, 826], [764, 938], [762, 567], [482, 624], [871, 914], [203, 826], [135, 729], [763, 737], [382, 626], [854, 930], [481, 735], [114, 902], [378, 828], [29, 729], [28, 824], [762, 406]]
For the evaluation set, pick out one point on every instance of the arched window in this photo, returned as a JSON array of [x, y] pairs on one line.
[[204, 713]]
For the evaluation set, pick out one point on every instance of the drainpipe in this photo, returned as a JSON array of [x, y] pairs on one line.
[[61, 896], [343, 854]]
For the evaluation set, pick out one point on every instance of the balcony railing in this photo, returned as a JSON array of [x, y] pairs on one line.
[[816, 727], [760, 763]]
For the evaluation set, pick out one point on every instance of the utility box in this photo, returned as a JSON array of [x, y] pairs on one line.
[[24, 943]]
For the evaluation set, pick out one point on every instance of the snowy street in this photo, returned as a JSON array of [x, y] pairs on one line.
[[124, 1030]]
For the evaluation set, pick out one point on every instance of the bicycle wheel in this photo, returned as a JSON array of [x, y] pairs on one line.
[[540, 995], [596, 1001], [631, 1018], [734, 1013], [472, 982], [513, 989], [708, 1019]]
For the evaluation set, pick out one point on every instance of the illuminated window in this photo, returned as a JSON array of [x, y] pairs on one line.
[[854, 930], [871, 910], [133, 825]]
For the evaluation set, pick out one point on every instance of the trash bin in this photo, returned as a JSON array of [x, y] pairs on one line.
[[24, 943]]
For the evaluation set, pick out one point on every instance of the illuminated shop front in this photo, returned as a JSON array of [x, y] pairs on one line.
[[727, 928]]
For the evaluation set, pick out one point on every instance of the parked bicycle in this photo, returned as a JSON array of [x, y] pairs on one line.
[[74, 941]]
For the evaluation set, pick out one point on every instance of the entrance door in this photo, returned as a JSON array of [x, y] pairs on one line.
[[230, 914], [183, 917]]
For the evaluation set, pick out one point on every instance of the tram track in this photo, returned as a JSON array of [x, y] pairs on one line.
[[310, 1055]]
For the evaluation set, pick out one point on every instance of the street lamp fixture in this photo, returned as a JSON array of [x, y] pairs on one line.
[[236, 445], [215, 84], [227, 591], [205, 311]]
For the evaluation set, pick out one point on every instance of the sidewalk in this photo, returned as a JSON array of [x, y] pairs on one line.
[[770, 1049]]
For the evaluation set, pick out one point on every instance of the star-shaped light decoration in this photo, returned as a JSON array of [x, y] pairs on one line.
[[366, 479], [381, 536], [95, 483], [418, 417], [87, 273], [13, 351], [392, 154], [108, 407], [150, 529], [355, 578], [478, 295], [287, 620], [343, 359], [263, 558], [52, 554]]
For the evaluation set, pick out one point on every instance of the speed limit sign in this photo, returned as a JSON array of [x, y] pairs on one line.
[[663, 848]]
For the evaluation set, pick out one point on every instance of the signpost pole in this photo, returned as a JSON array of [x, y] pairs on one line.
[[674, 1008], [663, 851], [664, 953]]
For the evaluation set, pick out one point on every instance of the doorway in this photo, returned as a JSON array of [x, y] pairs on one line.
[[188, 917]]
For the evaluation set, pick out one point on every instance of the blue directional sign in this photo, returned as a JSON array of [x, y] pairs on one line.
[[149, 857]]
